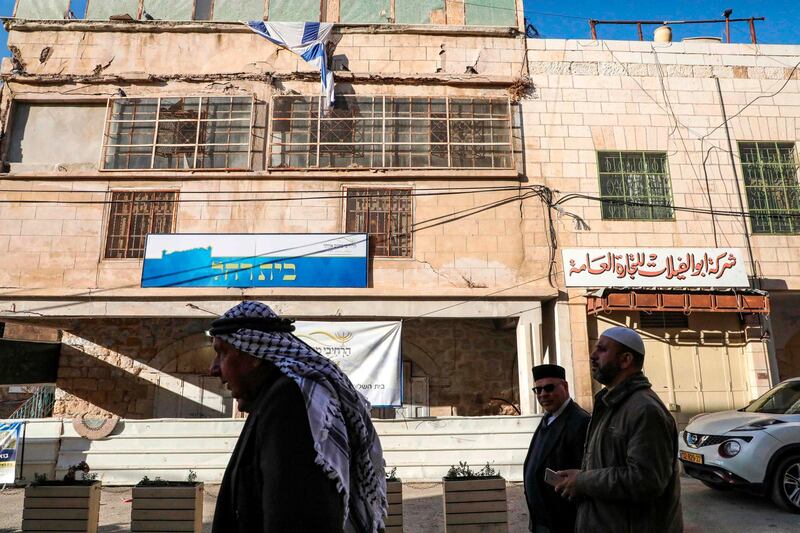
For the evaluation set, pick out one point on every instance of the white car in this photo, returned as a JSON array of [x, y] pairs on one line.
[[755, 448]]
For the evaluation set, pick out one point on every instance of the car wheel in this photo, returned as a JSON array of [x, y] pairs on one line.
[[786, 484], [716, 486]]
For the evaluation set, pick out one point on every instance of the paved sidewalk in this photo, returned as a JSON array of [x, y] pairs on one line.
[[705, 510]]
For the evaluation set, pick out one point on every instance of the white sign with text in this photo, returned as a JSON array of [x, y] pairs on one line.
[[368, 352], [655, 267]]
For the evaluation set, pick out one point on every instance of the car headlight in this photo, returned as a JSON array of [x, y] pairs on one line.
[[759, 424], [730, 448]]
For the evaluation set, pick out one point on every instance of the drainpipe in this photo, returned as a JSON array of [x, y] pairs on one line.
[[772, 361]]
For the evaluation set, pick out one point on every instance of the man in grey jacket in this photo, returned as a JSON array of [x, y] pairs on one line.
[[628, 481]]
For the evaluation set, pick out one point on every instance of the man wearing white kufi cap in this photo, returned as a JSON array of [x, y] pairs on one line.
[[629, 477]]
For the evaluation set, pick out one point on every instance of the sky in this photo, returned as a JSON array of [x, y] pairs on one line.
[[568, 19]]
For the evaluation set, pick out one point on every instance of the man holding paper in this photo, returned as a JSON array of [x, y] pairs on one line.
[[557, 445]]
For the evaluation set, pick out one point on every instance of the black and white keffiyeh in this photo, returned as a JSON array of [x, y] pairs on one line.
[[347, 446]]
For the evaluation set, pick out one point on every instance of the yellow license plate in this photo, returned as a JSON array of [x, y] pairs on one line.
[[692, 457]]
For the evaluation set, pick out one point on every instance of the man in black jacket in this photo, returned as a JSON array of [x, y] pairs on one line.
[[308, 457], [557, 444], [629, 478]]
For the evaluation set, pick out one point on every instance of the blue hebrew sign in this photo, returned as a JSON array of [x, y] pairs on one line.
[[256, 260]]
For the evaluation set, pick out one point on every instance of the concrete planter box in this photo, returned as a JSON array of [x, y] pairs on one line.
[[475, 505], [61, 507], [169, 508], [394, 496]]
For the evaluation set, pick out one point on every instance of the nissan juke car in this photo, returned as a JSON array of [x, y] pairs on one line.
[[756, 448]]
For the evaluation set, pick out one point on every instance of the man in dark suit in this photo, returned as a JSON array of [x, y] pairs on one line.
[[557, 442]]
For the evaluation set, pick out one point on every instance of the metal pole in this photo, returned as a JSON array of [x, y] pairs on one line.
[[728, 29], [753, 31], [593, 26], [756, 280], [22, 451], [639, 29]]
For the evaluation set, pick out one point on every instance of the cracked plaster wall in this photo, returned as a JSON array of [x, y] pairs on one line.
[[170, 53]]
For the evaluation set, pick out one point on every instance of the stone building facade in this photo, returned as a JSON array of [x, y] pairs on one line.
[[469, 270], [595, 98], [479, 286]]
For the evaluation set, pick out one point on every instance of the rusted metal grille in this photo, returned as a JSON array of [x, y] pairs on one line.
[[386, 215], [178, 133], [134, 214], [390, 132]]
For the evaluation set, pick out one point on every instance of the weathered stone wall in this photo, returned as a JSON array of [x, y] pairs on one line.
[[472, 365], [114, 366], [151, 51], [111, 366]]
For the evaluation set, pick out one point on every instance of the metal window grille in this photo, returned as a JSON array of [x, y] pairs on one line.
[[390, 132], [635, 185], [770, 172], [663, 320], [385, 214], [134, 215], [178, 133]]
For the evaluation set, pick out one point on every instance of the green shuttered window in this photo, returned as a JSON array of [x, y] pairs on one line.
[[770, 172], [635, 186]]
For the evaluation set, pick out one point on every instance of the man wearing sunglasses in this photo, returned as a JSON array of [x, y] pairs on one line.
[[557, 444]]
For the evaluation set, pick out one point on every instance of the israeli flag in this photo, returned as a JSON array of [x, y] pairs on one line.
[[306, 39]]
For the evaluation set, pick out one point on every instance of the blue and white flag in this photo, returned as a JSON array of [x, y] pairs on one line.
[[306, 39]]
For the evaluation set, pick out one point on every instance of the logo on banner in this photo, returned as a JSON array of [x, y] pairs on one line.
[[9, 439]]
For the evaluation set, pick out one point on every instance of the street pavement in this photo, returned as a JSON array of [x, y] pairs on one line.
[[704, 510]]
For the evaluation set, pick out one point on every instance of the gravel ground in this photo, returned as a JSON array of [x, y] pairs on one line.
[[705, 510]]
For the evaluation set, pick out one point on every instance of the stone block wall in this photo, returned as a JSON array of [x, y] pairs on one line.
[[113, 366], [471, 365], [62, 246], [636, 96], [639, 96]]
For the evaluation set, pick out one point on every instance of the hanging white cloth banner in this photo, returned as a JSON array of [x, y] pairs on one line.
[[368, 352], [306, 39]]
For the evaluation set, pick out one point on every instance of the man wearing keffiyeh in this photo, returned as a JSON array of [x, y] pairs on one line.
[[308, 457]]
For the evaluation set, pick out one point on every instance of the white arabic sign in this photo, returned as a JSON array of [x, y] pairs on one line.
[[655, 267], [368, 352]]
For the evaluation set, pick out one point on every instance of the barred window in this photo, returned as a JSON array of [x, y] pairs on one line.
[[770, 172], [178, 133], [135, 214], [385, 214], [635, 186], [390, 132]]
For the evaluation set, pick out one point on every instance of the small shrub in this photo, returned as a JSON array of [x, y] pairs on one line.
[[463, 471], [391, 475]]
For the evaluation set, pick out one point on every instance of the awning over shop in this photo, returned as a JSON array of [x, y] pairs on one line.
[[28, 363], [686, 301]]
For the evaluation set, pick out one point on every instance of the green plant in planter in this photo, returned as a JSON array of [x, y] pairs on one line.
[[464, 471], [391, 475]]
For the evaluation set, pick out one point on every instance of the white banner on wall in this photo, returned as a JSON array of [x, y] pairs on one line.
[[368, 352], [655, 267]]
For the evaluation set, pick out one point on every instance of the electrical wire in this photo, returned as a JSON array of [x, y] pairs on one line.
[[379, 192]]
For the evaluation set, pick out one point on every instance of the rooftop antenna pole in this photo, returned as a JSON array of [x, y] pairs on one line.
[[727, 15]]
